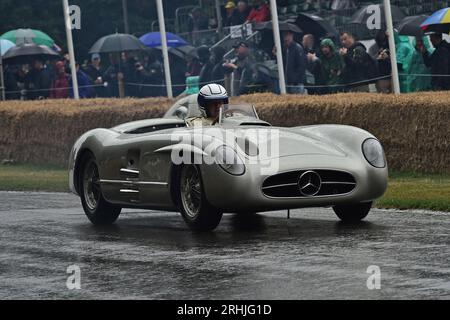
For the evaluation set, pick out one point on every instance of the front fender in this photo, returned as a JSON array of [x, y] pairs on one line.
[[92, 141], [347, 138]]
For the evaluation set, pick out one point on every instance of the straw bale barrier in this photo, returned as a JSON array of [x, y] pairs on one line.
[[414, 128]]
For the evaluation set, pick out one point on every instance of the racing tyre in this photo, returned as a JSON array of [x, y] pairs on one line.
[[96, 208], [353, 212], [198, 214]]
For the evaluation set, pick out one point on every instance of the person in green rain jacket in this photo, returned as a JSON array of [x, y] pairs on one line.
[[404, 51], [192, 86], [418, 67], [332, 64]]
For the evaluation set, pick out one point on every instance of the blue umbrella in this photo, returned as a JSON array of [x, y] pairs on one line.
[[5, 45], [153, 40]]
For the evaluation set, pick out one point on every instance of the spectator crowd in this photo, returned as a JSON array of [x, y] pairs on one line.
[[311, 65]]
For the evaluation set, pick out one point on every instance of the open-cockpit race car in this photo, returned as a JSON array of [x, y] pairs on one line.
[[236, 164]]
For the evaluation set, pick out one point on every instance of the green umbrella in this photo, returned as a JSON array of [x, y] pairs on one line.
[[21, 36]]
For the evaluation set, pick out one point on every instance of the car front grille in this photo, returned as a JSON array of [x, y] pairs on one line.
[[286, 184]]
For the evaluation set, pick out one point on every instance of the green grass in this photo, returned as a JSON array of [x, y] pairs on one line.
[[407, 190], [28, 177]]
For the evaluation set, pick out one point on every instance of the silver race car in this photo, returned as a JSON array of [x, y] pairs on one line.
[[238, 164]]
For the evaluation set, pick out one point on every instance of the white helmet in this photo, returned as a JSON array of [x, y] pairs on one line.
[[211, 92]]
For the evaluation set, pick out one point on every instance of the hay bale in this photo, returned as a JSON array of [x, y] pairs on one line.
[[414, 128]]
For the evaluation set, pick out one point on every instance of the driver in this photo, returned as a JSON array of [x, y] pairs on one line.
[[210, 99]]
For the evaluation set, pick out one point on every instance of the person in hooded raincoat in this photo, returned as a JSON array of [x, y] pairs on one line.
[[192, 86], [404, 51], [418, 67], [332, 64]]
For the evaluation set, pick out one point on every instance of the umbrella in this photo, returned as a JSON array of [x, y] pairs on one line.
[[182, 52], [410, 26], [316, 26], [21, 36], [118, 42], [284, 26], [5, 45], [153, 40], [362, 15], [24, 52], [438, 22]]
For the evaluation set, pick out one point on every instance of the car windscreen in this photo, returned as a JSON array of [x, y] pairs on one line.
[[238, 110]]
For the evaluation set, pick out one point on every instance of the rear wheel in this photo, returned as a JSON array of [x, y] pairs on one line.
[[194, 207], [353, 212], [96, 208]]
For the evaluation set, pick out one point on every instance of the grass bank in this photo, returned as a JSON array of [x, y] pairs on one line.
[[28, 177], [407, 190]]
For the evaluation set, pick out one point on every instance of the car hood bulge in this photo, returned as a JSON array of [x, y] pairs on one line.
[[281, 142]]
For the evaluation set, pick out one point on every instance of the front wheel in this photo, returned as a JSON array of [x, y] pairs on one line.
[[353, 212], [96, 208], [198, 214]]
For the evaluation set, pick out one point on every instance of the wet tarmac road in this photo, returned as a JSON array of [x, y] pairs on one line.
[[152, 255]]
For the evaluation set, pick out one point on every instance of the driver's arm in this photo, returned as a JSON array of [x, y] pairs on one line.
[[200, 122]]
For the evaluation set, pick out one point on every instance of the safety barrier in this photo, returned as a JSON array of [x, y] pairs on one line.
[[183, 85]]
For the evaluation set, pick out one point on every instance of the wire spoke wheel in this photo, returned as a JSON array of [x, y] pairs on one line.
[[98, 210], [91, 186], [191, 191], [197, 212]]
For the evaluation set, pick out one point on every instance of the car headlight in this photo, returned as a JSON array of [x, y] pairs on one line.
[[373, 152], [229, 160]]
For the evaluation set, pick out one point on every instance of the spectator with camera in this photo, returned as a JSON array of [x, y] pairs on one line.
[[95, 73], [383, 57], [438, 61], [242, 69], [359, 66]]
